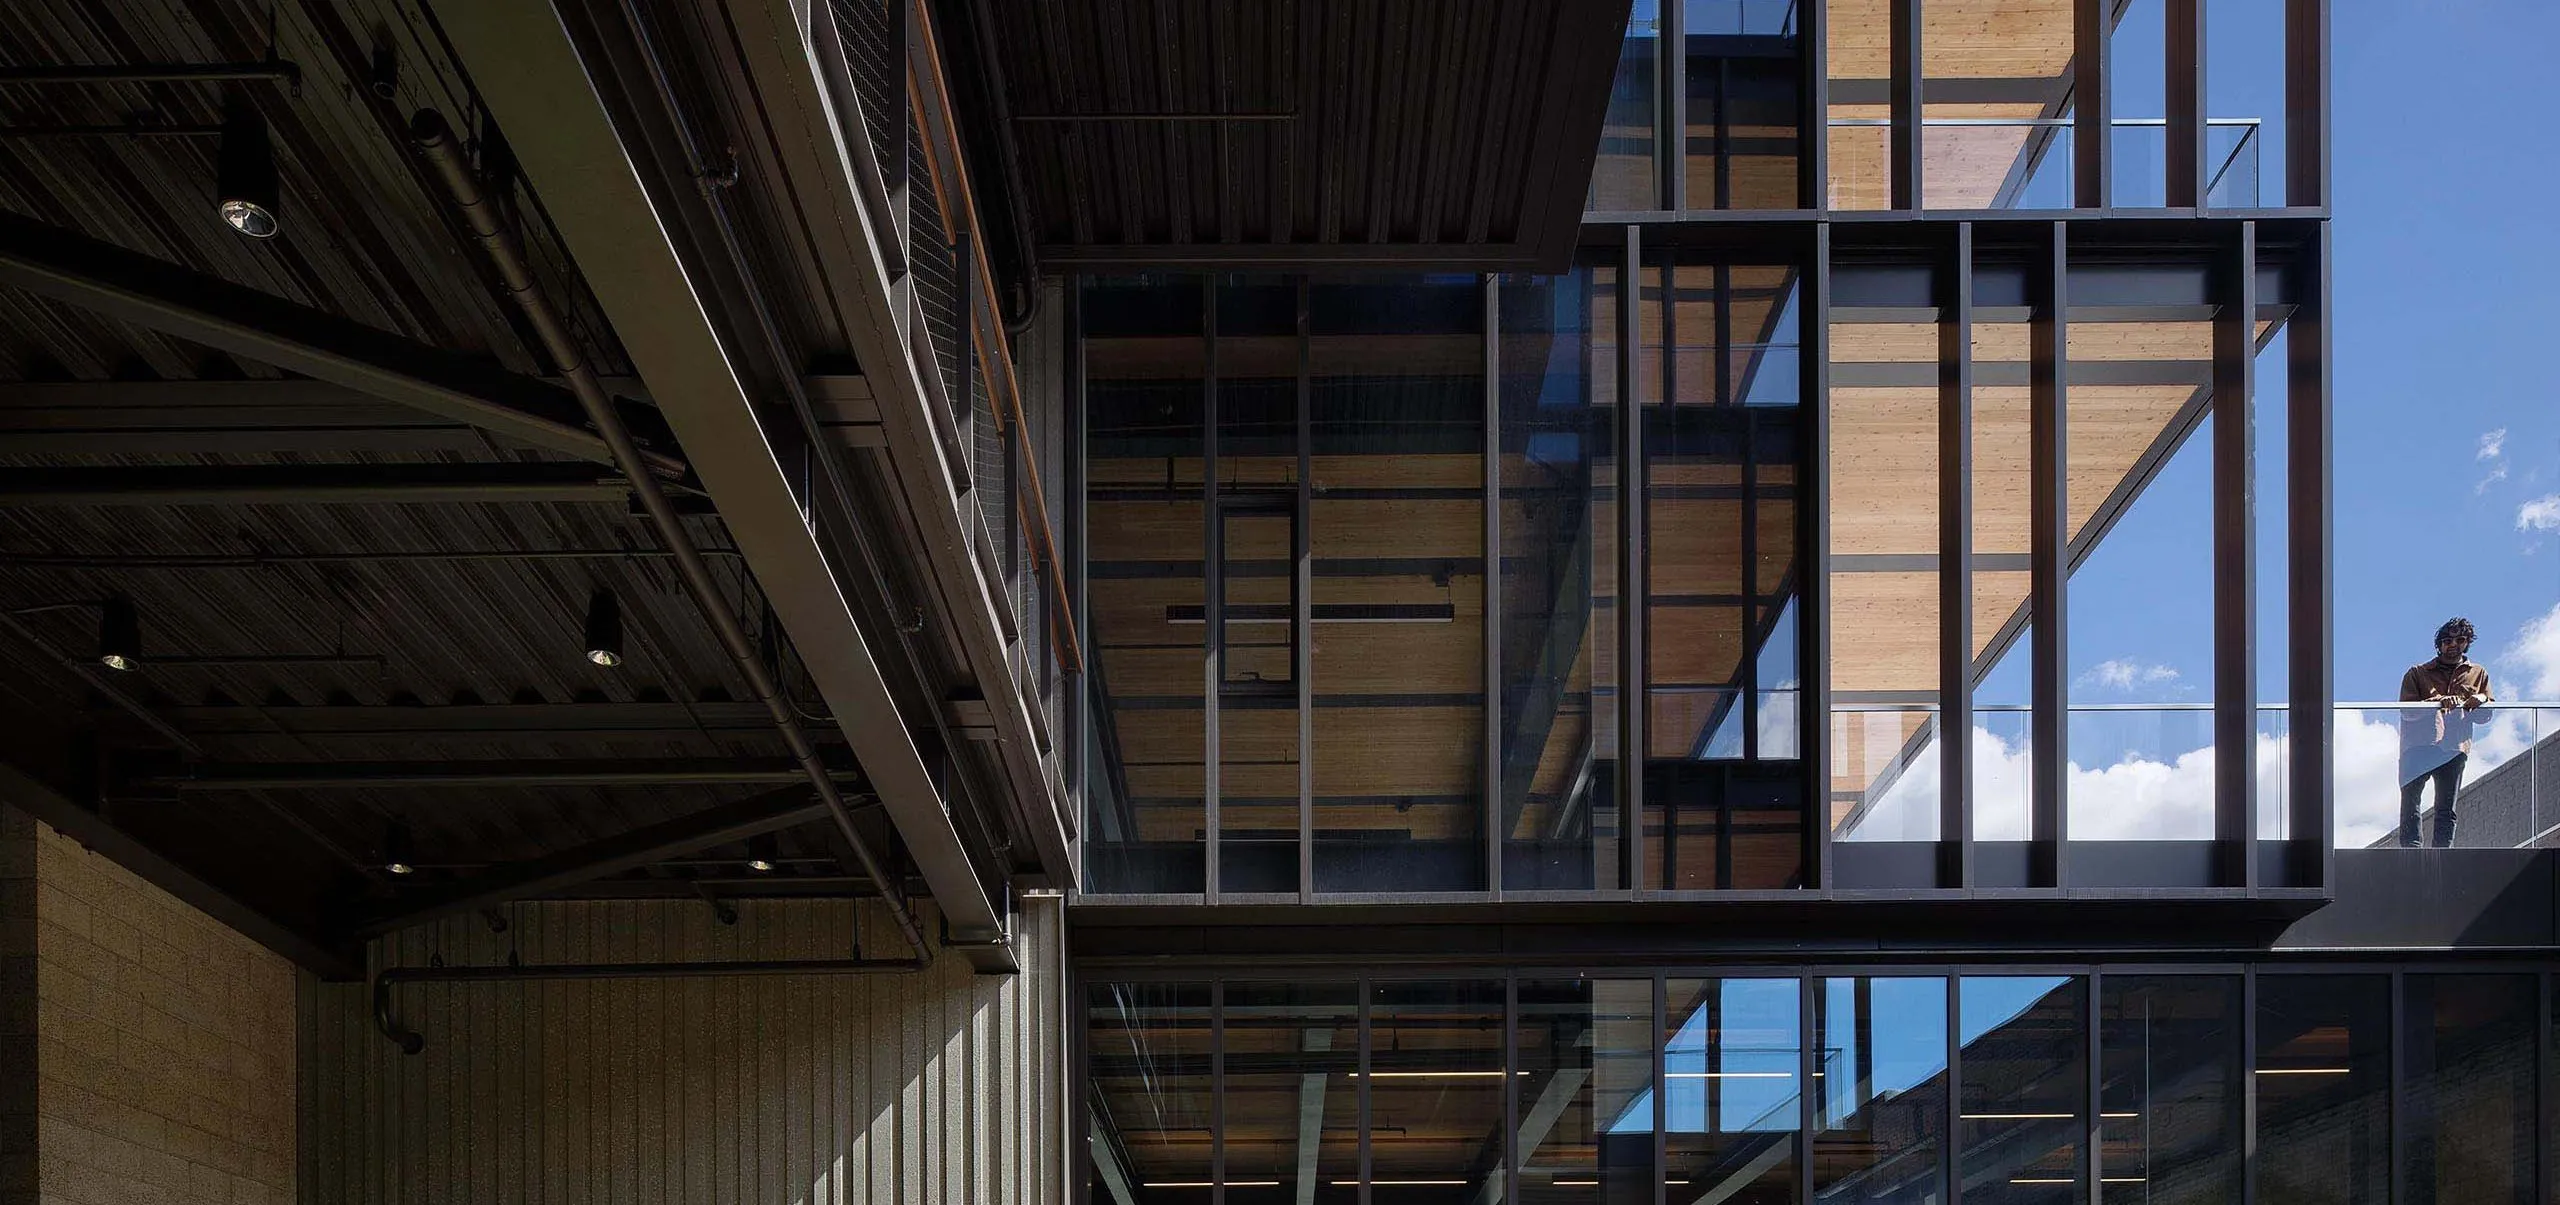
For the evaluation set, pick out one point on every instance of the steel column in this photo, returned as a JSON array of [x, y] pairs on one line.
[[1907, 135], [1494, 831], [1813, 528], [2306, 103], [2187, 174], [2048, 289], [1955, 560], [1631, 675], [2235, 561], [1302, 564], [2092, 109], [1813, 129], [1213, 576], [2311, 536]]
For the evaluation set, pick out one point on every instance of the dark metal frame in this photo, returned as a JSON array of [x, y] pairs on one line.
[[2091, 976]]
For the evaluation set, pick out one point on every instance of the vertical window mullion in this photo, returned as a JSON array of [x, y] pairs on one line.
[[1671, 72], [1631, 676], [2306, 103], [2186, 174], [1494, 829], [2248, 1085], [1367, 992], [1302, 604], [1950, 1152], [2235, 570], [1903, 49], [2309, 719], [1218, 1092], [2049, 563], [2092, 111], [1213, 573], [1955, 560], [1813, 123], [1813, 631], [1661, 1087]]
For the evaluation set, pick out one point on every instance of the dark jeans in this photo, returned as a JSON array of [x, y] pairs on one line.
[[2448, 780]]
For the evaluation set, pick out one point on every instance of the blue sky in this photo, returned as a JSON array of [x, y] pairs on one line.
[[2447, 443]]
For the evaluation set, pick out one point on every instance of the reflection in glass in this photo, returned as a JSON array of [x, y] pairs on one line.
[[1586, 1091], [1731, 1110], [1744, 77], [1717, 393], [1396, 537], [1558, 414], [1623, 176], [2169, 1089], [1257, 526], [1435, 1091], [1145, 364], [1880, 1091], [1292, 1121], [1882, 494], [2140, 507], [2323, 1078], [2003, 542], [1148, 1059], [2469, 1060], [2024, 1074], [1993, 92]]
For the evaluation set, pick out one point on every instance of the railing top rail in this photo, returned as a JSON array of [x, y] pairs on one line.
[[2023, 709]]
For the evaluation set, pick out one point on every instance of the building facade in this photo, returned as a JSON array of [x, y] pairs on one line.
[[1146, 604]]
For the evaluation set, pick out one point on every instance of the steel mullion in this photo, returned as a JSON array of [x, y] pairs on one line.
[[1950, 1153], [2091, 108], [1366, 991], [2398, 1043], [2051, 542], [2308, 666], [1955, 561], [1631, 676], [1213, 572], [2235, 549], [1511, 1086], [2092, 1162], [2248, 1085], [1302, 618], [1813, 628], [1904, 67], [1078, 709], [1494, 830], [1218, 1092], [2186, 173], [1813, 125], [2306, 103], [1808, 1062], [1671, 79], [1661, 1083], [2546, 1029]]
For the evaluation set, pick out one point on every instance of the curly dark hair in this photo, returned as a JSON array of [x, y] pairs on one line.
[[2456, 628]]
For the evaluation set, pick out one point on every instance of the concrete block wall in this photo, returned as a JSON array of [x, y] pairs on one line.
[[163, 1043]]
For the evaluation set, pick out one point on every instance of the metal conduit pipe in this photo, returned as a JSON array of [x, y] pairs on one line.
[[435, 140], [411, 1041]]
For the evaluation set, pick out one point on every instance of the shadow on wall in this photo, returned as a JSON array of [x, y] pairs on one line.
[[773, 1090]]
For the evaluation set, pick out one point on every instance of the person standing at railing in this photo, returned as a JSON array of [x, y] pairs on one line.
[[2435, 743]]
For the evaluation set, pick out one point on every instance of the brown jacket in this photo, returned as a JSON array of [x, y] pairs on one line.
[[2429, 681]]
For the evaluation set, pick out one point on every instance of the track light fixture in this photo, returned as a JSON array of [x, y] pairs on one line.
[[604, 629], [119, 635], [761, 853], [246, 172], [396, 856]]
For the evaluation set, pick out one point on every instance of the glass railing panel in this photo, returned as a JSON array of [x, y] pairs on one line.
[[1884, 773], [2003, 773], [2138, 164], [2231, 163], [2275, 777], [2395, 765], [2027, 162], [2141, 772]]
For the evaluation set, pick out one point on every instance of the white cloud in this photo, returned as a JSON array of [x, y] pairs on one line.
[[2492, 445], [2125, 674], [2497, 473], [2492, 452], [2541, 514], [2534, 659]]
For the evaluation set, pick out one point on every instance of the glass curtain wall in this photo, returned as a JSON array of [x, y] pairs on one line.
[[2017, 1085], [1742, 95], [1717, 396]]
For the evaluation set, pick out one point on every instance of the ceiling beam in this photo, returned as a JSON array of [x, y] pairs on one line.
[[310, 484], [560, 114], [96, 834], [94, 275], [639, 847], [618, 772]]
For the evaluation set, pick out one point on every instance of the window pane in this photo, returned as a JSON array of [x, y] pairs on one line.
[[1623, 177], [1292, 1123], [1435, 1091], [1717, 394], [1995, 85], [2139, 500], [1396, 535], [1559, 348], [1729, 1065], [2324, 1089], [2138, 102], [1855, 54], [1881, 1094], [2169, 1092], [1882, 492], [1586, 1091], [1745, 69], [1148, 1057], [2003, 541], [2024, 1110], [1257, 369], [2470, 1070], [1146, 363]]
